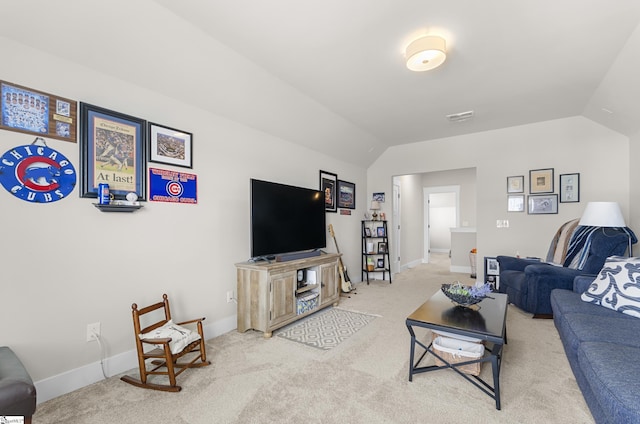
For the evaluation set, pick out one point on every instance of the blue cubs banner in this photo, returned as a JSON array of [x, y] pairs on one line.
[[172, 186]]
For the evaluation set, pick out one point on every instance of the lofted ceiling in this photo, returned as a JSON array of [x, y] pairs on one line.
[[331, 75]]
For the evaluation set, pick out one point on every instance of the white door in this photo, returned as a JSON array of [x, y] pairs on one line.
[[441, 213]]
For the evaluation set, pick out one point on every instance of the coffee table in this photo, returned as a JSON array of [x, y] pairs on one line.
[[485, 321]]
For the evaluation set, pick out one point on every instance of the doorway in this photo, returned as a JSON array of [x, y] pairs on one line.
[[441, 213]]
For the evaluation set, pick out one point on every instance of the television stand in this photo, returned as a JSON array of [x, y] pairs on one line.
[[269, 296]]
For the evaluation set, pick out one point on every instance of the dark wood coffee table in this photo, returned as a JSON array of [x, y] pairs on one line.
[[485, 321]]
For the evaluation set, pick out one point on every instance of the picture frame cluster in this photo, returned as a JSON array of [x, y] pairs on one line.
[[542, 198], [337, 193]]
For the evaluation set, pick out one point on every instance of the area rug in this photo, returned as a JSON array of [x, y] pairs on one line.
[[326, 329]]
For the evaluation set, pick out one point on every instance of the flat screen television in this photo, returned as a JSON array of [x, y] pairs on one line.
[[285, 219]]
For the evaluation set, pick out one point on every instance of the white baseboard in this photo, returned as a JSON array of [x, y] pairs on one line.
[[78, 378], [412, 264]]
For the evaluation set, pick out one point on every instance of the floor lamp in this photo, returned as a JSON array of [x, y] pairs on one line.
[[604, 214]]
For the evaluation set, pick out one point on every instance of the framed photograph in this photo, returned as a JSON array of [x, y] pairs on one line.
[[380, 263], [515, 184], [569, 188], [541, 181], [382, 247], [31, 111], [346, 195], [367, 232], [170, 146], [380, 232], [491, 266], [378, 197], [112, 151], [515, 203], [329, 186], [543, 203]]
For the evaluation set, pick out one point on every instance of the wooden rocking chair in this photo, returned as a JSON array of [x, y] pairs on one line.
[[169, 341]]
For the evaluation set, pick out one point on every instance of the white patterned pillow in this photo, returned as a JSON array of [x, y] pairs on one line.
[[180, 337], [617, 286]]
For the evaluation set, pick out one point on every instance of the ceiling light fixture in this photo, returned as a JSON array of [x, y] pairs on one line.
[[426, 53]]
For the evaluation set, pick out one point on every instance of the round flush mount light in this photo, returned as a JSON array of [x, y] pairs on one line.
[[426, 53]]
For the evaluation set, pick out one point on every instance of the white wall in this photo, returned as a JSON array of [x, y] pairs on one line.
[[568, 145], [66, 264]]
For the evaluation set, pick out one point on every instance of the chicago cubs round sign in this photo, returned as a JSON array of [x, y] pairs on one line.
[[37, 173]]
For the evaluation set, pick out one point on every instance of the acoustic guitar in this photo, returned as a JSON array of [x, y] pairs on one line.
[[344, 277]]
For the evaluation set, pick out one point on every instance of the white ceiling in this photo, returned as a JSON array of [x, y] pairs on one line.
[[330, 74]]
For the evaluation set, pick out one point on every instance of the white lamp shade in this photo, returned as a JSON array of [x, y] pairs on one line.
[[602, 214], [375, 205], [426, 53]]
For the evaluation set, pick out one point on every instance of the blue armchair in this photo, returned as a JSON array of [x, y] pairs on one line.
[[528, 282]]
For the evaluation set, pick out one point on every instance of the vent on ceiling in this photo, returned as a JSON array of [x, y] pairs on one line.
[[459, 117]]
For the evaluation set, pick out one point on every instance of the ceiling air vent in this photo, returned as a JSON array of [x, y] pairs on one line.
[[459, 117]]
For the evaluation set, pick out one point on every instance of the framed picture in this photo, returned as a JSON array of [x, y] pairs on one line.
[[515, 203], [378, 197], [380, 263], [569, 188], [170, 146], [491, 266], [329, 185], [346, 195], [367, 232], [541, 181], [112, 151], [35, 112], [382, 247], [543, 203], [380, 232], [515, 184]]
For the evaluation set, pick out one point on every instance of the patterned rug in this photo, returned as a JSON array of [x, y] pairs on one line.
[[326, 329]]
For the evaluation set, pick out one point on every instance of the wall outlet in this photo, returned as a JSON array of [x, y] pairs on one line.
[[92, 331], [230, 296]]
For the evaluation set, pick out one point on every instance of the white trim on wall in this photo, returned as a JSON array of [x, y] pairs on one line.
[[78, 378]]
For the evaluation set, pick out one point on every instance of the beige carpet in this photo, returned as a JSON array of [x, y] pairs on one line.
[[364, 379]]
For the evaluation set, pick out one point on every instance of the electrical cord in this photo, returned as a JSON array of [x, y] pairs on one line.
[[97, 337]]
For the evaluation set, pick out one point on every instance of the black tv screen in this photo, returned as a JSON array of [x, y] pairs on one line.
[[285, 219]]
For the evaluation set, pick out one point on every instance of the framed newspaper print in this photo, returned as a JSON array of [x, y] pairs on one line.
[[112, 151]]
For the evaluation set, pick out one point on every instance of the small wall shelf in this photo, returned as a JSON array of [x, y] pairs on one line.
[[117, 208]]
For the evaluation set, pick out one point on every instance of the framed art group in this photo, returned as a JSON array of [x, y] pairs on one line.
[[542, 198], [115, 148], [337, 193]]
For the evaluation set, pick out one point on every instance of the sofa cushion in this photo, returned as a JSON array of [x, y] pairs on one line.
[[617, 286], [567, 301], [613, 378], [580, 328]]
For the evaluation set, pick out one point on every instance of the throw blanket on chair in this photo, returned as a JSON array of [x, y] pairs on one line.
[[561, 240], [580, 245]]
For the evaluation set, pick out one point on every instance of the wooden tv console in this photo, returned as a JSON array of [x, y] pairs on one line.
[[270, 297]]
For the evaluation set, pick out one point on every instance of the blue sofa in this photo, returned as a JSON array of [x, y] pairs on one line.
[[603, 348], [528, 283]]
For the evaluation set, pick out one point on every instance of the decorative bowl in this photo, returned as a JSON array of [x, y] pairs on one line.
[[460, 298]]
